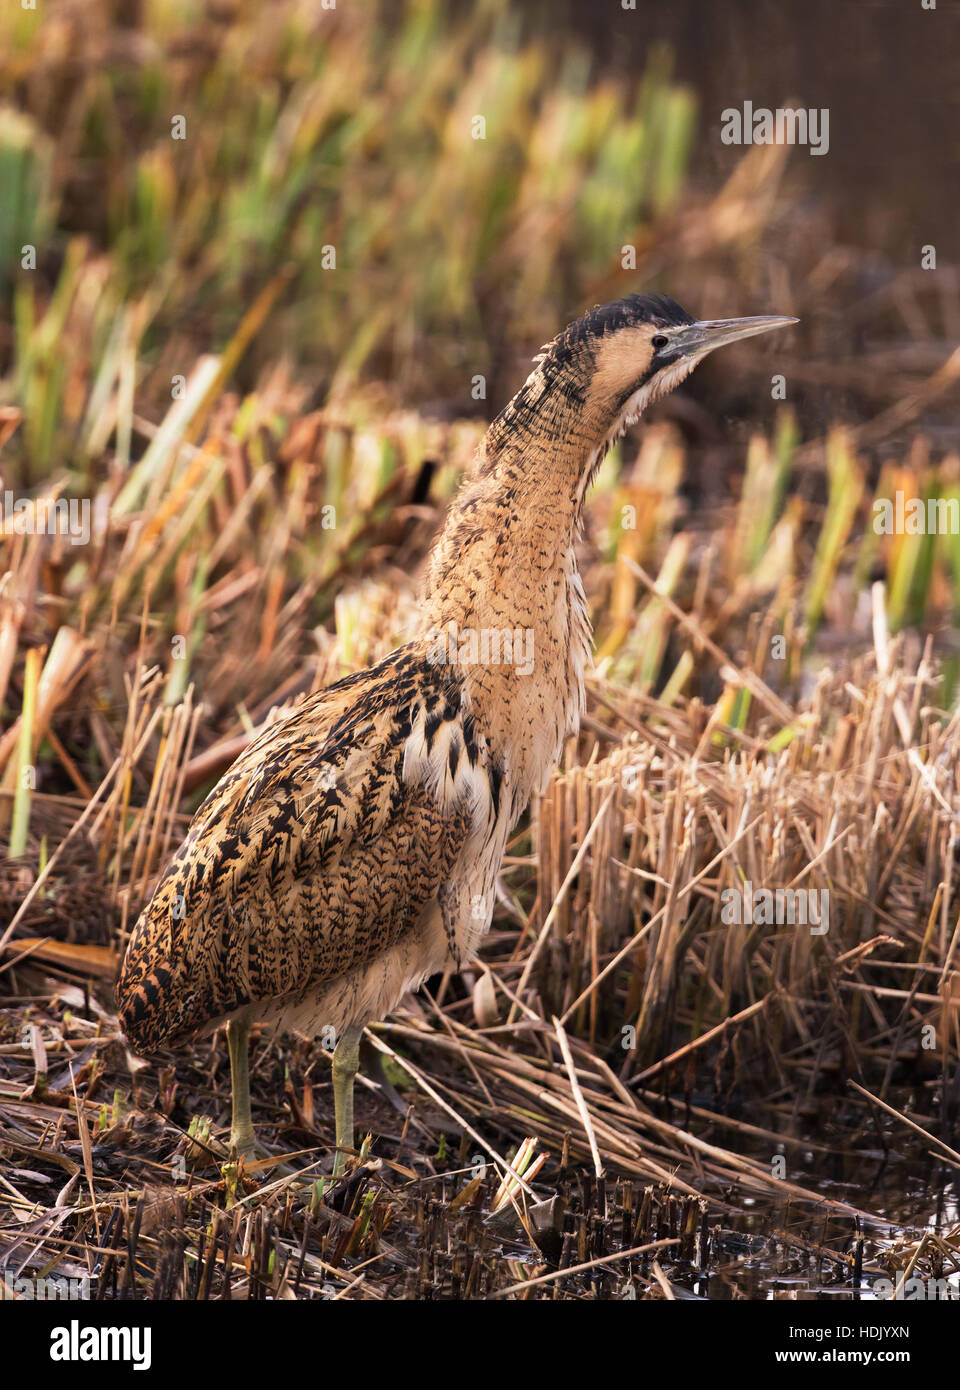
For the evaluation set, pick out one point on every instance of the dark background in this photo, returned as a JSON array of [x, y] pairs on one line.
[[888, 70]]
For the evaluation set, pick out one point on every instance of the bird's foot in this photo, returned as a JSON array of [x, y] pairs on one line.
[[256, 1158]]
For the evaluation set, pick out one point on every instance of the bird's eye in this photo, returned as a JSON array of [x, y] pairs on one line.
[[659, 341]]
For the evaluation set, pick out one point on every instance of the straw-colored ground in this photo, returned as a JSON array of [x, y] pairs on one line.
[[774, 701]]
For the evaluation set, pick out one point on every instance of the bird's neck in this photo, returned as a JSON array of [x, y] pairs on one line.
[[517, 515], [504, 564], [507, 536]]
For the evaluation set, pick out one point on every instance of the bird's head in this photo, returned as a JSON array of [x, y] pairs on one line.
[[639, 348], [601, 372]]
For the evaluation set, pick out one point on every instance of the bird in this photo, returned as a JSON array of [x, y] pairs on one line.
[[353, 848]]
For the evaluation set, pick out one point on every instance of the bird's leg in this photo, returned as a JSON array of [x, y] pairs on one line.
[[346, 1059], [242, 1142]]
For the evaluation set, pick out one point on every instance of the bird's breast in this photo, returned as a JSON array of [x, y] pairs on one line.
[[527, 701]]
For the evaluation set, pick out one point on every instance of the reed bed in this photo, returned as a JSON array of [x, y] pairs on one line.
[[656, 1059]]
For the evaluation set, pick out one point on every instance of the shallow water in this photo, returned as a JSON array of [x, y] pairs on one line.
[[908, 1192]]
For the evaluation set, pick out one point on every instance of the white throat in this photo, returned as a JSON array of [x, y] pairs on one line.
[[633, 408]]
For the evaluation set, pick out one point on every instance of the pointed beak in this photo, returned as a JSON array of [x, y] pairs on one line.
[[697, 339]]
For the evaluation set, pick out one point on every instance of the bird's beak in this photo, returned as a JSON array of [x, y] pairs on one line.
[[697, 339]]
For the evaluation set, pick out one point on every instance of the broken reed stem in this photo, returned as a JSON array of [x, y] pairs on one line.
[[704, 1038], [634, 940], [903, 1120], [571, 1270], [555, 906], [578, 1097], [424, 1085]]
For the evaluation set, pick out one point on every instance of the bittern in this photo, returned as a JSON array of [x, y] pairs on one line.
[[352, 850]]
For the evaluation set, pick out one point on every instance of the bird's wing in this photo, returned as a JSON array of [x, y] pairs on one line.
[[315, 852]]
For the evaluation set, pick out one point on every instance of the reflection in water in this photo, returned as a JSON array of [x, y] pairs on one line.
[[785, 1250]]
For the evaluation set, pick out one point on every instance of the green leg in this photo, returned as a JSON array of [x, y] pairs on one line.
[[346, 1059], [241, 1130]]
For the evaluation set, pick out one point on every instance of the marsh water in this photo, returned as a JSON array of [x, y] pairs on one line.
[[908, 1192], [755, 1248]]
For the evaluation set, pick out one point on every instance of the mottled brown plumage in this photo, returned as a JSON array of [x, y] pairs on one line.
[[353, 849], [309, 859]]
